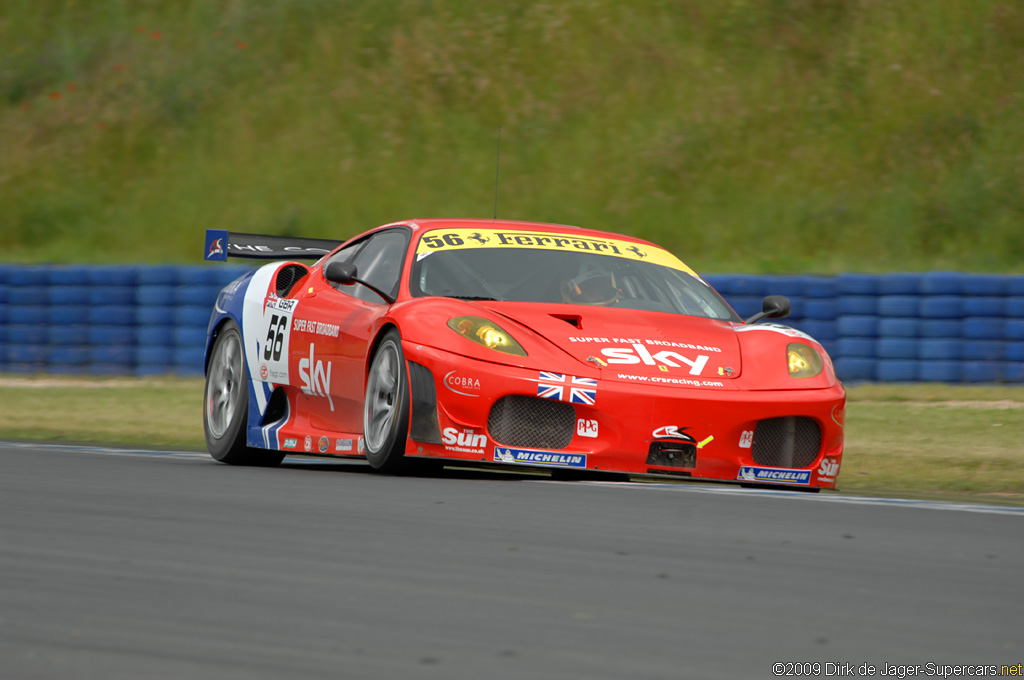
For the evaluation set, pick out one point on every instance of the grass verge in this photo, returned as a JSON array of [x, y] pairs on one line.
[[946, 442]]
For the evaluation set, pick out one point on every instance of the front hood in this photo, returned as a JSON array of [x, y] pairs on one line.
[[628, 343]]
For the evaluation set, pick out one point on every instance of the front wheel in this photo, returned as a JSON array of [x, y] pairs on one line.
[[226, 404], [386, 407]]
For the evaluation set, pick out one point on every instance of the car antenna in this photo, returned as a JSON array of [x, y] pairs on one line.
[[497, 167]]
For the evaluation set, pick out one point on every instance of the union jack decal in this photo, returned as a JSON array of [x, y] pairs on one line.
[[568, 388]]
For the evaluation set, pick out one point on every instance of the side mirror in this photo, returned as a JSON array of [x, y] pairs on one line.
[[773, 307], [342, 273]]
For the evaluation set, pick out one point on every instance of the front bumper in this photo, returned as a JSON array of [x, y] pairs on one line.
[[635, 427]]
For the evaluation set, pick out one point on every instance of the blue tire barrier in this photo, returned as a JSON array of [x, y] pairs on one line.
[[1015, 307], [112, 315], [985, 329], [189, 337], [222, 276], [790, 286], [828, 345], [899, 284], [161, 275], [899, 328], [112, 295], [985, 350], [857, 284], [155, 336], [897, 348], [154, 316], [198, 275], [860, 305], [942, 328], [720, 282], [192, 316], [939, 371], [67, 356], [821, 310], [196, 295], [156, 295], [743, 284], [981, 371], [62, 315], [3, 314], [941, 350], [190, 358], [1015, 329], [3, 336], [26, 296], [27, 334], [27, 277], [984, 284], [112, 336], [746, 305], [857, 326], [154, 356], [942, 283], [118, 356], [984, 306], [67, 295], [896, 370], [114, 275], [1015, 286], [27, 314], [822, 331], [76, 276], [855, 368], [866, 348], [820, 287], [26, 354], [1015, 351], [899, 305], [67, 335], [1013, 372], [942, 307], [110, 369]]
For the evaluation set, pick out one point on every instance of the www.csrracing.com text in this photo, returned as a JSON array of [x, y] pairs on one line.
[[889, 670]]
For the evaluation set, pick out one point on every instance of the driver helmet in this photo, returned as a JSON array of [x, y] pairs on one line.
[[591, 287]]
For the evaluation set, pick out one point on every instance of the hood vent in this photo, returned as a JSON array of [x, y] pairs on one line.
[[574, 320]]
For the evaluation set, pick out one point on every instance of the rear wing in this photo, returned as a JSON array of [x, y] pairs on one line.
[[222, 244]]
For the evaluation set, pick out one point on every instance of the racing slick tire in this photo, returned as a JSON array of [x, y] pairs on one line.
[[386, 406], [226, 404]]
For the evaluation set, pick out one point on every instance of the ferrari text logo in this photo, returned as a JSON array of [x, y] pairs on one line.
[[315, 380], [640, 354]]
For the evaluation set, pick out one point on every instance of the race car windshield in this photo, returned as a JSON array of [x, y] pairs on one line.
[[563, 276]]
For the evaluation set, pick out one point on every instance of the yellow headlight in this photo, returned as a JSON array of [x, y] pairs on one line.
[[803, 360], [486, 333]]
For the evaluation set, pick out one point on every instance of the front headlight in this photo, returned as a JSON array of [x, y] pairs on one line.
[[803, 360], [486, 333]]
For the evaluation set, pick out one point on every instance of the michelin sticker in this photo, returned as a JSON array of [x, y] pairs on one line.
[[749, 473], [528, 457]]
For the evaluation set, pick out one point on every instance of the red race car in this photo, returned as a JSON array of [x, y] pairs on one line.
[[510, 344]]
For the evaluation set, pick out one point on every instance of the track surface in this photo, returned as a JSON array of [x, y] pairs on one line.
[[139, 565]]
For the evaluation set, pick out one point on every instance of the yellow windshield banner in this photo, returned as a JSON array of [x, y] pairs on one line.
[[461, 239]]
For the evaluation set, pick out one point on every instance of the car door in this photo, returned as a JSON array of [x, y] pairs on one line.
[[333, 326]]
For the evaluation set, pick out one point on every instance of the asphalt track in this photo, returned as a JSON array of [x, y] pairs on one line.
[[121, 564]]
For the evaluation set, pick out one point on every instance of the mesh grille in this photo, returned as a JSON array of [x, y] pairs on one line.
[[532, 423], [789, 442], [286, 278]]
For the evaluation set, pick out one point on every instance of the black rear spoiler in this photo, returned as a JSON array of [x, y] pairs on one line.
[[222, 244]]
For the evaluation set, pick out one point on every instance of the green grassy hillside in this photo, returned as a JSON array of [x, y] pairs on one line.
[[745, 135]]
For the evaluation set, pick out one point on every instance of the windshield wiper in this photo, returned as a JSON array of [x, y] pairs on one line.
[[471, 297]]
